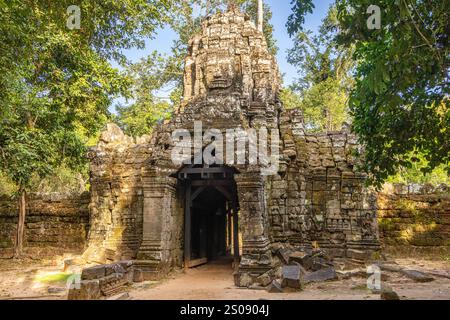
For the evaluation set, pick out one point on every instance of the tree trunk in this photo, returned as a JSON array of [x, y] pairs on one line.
[[207, 8], [20, 225], [260, 15]]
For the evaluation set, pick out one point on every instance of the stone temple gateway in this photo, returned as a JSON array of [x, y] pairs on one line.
[[162, 215]]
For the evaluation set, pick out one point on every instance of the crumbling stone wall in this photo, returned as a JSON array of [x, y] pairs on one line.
[[414, 215], [54, 224], [320, 197], [231, 81], [116, 196]]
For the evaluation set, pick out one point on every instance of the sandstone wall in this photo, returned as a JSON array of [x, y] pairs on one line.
[[54, 224], [343, 209], [414, 215], [320, 197], [116, 196]]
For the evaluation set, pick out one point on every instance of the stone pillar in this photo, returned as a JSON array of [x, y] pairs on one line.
[[158, 195], [256, 260]]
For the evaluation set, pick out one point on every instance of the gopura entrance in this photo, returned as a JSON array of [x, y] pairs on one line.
[[142, 203], [211, 209]]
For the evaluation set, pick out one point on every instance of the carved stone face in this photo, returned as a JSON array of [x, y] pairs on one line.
[[220, 71]]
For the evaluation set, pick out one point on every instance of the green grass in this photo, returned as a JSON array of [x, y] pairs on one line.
[[53, 277]]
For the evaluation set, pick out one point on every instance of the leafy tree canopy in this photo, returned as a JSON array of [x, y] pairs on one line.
[[56, 84], [325, 76], [400, 103], [300, 8]]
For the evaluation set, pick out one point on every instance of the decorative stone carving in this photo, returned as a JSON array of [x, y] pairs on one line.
[[231, 81], [221, 70]]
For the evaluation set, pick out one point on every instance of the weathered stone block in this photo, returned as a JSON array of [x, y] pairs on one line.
[[321, 275], [298, 257], [275, 287], [89, 290], [417, 276], [284, 254], [358, 254], [292, 276], [114, 268], [92, 273]]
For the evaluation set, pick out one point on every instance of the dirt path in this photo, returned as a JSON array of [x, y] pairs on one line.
[[38, 280], [34, 280], [215, 282]]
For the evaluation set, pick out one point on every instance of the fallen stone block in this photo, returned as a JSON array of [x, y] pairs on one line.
[[356, 273], [320, 275], [92, 273], [417, 276], [275, 287], [313, 262], [390, 267], [264, 280], [113, 284], [126, 264], [88, 290], [292, 277], [284, 254], [298, 257], [319, 263], [412, 274], [114, 268]]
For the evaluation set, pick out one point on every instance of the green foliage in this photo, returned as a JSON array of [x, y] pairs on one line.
[[300, 8], [290, 99], [414, 174], [62, 179], [324, 106], [325, 80], [7, 186], [140, 118], [400, 102], [53, 277], [146, 110], [56, 84]]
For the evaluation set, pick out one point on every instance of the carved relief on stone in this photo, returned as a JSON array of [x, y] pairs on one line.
[[368, 226], [221, 71]]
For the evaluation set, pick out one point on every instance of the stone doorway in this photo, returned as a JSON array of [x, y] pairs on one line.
[[210, 214]]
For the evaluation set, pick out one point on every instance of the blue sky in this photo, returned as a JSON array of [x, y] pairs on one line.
[[281, 10]]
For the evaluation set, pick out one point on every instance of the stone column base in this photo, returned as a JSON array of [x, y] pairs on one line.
[[245, 277], [148, 270], [256, 267]]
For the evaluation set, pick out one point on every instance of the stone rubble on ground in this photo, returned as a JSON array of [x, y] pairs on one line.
[[103, 281], [415, 275], [314, 193], [300, 267]]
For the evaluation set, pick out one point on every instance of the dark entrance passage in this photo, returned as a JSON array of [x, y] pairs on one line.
[[211, 214]]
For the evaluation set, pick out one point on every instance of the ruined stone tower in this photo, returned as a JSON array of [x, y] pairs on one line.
[[165, 213]]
